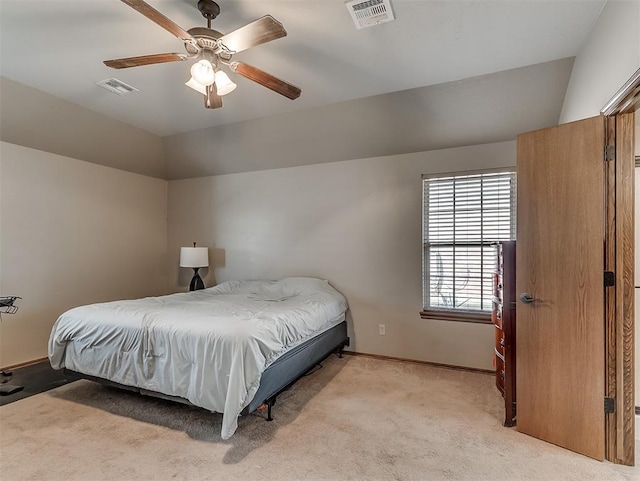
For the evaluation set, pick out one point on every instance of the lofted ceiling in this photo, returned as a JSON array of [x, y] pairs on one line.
[[58, 47]]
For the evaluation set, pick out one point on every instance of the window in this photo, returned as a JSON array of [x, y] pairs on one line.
[[463, 215]]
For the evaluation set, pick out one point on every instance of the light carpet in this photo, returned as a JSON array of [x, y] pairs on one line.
[[358, 418]]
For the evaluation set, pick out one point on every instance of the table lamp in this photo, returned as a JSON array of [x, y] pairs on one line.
[[194, 257]]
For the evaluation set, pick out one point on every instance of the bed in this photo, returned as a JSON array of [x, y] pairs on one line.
[[228, 349]]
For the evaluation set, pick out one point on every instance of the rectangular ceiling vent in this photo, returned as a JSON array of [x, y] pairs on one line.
[[368, 13], [116, 86]]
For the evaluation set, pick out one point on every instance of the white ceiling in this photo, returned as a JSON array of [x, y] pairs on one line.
[[58, 47]]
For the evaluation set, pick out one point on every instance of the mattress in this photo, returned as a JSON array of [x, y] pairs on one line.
[[209, 346]]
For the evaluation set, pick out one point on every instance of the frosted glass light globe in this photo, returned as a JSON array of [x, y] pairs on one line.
[[203, 73], [196, 86], [224, 85]]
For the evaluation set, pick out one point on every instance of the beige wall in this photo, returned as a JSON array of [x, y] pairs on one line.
[[36, 119], [72, 233], [607, 60], [472, 111], [356, 223]]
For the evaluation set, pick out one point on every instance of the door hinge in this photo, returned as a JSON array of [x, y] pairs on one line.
[[609, 279], [609, 405], [609, 152]]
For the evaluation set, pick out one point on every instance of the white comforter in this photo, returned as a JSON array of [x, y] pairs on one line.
[[209, 346]]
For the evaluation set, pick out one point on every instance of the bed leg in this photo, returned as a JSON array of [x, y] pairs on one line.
[[342, 346], [270, 403]]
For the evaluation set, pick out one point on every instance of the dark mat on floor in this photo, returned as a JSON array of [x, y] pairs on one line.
[[34, 379]]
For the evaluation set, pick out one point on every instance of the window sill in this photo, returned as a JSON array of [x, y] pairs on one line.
[[461, 316]]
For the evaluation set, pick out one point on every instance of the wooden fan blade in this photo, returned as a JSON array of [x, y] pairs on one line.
[[266, 80], [145, 60], [212, 100], [152, 14], [255, 33]]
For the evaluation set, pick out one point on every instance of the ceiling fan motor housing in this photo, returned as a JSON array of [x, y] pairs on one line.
[[206, 39]]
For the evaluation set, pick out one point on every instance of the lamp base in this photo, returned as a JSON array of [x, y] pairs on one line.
[[196, 281]]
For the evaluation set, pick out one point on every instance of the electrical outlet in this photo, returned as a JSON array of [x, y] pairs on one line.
[[381, 329]]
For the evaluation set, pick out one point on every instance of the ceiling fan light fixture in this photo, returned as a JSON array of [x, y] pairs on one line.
[[209, 48], [195, 85], [224, 84], [202, 72]]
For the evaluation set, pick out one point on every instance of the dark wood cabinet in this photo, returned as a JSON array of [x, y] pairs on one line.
[[503, 316]]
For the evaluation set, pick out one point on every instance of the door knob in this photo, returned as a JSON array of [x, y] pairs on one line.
[[526, 298]]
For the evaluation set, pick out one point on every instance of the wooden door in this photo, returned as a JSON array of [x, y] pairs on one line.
[[560, 265]]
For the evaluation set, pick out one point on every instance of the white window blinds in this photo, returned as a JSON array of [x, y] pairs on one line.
[[462, 216]]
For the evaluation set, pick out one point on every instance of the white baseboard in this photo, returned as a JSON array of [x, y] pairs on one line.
[[638, 427]]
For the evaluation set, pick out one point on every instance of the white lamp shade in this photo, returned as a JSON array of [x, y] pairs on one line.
[[224, 85], [194, 257], [202, 71], [193, 83]]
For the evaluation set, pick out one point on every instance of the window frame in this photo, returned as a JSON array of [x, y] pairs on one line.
[[454, 314]]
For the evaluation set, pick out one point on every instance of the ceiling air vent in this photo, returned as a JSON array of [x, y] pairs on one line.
[[367, 13], [116, 86]]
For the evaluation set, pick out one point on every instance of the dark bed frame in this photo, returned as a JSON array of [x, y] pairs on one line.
[[278, 377]]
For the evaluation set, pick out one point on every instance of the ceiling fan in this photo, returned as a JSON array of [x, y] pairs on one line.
[[212, 49]]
